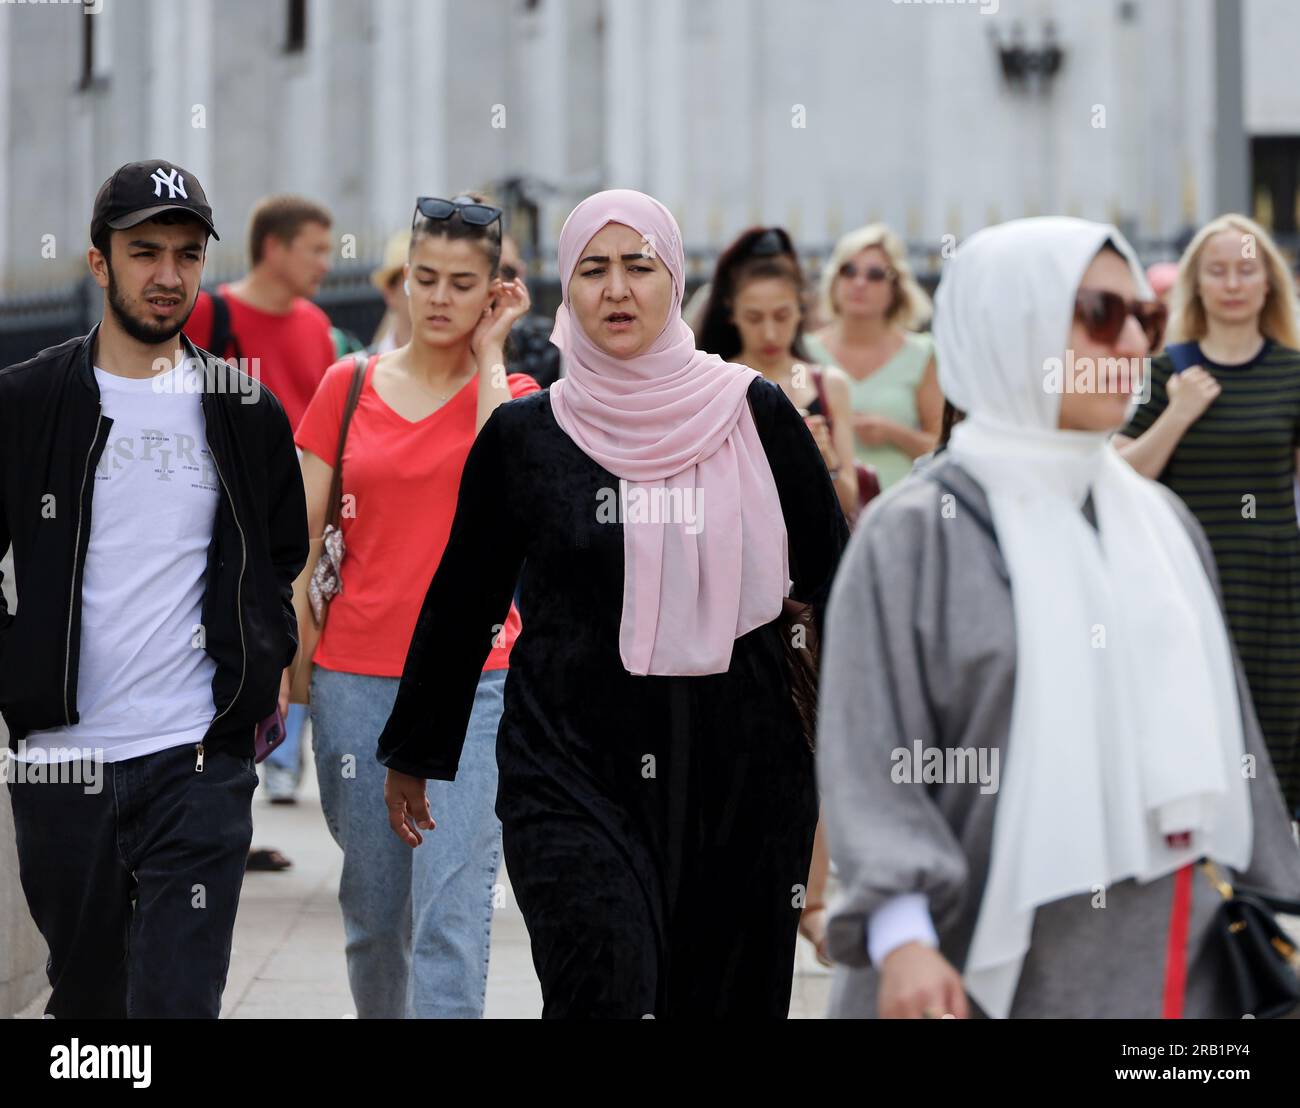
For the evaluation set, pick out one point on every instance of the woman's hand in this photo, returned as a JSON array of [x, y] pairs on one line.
[[408, 807], [1191, 393], [821, 434], [873, 430], [917, 981], [510, 300]]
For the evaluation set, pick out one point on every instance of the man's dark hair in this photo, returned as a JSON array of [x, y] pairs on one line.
[[102, 239]]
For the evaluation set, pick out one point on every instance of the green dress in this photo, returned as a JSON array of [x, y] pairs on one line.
[[1235, 469], [889, 392]]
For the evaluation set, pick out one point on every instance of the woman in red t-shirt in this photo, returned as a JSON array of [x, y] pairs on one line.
[[417, 927]]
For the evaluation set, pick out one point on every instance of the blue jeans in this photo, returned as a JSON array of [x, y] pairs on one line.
[[418, 922]]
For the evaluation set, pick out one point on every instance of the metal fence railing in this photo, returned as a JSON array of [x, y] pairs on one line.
[[30, 323]]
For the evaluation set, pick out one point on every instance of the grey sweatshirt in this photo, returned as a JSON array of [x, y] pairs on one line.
[[920, 647]]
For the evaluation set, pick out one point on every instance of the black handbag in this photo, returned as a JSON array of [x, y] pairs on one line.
[[1261, 958]]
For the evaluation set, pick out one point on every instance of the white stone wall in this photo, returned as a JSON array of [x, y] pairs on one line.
[[907, 115], [1272, 45]]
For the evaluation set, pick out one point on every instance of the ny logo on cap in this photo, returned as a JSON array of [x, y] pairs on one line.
[[173, 180]]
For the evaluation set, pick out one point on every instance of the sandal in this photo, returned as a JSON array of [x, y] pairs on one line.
[[267, 859]]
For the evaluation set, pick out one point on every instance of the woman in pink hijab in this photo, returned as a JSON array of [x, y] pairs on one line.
[[656, 507]]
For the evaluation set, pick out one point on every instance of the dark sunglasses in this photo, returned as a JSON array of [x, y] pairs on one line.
[[1103, 315], [872, 272], [470, 211], [509, 273]]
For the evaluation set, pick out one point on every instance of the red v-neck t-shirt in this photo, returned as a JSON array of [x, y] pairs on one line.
[[404, 478]]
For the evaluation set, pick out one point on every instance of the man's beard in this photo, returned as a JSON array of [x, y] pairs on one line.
[[151, 334]]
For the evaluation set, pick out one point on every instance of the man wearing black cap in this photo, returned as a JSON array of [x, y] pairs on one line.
[[154, 502]]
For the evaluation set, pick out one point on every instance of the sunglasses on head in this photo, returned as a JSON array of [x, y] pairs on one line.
[[872, 272], [771, 242], [470, 211], [1103, 315]]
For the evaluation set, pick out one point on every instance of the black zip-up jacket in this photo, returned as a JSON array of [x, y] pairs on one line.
[[52, 432]]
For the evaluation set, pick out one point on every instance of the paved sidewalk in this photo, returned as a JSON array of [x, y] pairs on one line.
[[288, 952]]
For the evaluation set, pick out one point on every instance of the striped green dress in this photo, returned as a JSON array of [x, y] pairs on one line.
[[1235, 469]]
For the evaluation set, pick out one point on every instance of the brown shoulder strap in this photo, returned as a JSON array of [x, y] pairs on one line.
[[819, 383], [361, 359]]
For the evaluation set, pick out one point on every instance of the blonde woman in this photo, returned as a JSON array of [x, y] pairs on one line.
[[1223, 434], [874, 304]]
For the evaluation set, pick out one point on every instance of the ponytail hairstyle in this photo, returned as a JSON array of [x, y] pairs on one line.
[[760, 252]]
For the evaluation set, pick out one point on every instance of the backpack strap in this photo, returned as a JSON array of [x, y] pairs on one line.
[[1184, 355], [223, 338], [982, 523]]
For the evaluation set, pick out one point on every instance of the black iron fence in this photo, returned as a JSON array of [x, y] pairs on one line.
[[30, 323]]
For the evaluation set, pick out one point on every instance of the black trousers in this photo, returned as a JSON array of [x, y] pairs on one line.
[[135, 886]]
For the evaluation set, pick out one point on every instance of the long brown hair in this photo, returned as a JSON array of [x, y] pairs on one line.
[[952, 415], [737, 265]]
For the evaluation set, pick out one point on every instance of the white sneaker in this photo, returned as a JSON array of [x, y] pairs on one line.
[[281, 788]]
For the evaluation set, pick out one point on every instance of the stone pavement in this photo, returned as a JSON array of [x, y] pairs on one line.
[[288, 951]]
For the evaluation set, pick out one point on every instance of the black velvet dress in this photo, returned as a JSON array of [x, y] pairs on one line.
[[657, 830]]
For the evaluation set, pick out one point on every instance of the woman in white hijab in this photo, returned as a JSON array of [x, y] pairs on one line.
[[1032, 718]]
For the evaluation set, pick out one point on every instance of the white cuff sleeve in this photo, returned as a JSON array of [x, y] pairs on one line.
[[904, 919]]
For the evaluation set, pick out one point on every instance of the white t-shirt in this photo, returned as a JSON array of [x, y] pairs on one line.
[[145, 680]]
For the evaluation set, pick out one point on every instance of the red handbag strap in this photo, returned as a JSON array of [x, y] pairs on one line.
[[1176, 950], [820, 385]]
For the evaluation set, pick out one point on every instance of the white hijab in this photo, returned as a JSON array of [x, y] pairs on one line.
[[1125, 721]]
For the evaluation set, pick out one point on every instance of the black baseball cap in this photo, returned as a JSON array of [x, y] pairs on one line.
[[142, 190]]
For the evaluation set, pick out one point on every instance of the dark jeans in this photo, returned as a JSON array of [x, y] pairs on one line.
[[135, 888]]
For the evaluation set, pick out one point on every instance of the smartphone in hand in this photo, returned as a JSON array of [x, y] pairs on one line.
[[270, 734]]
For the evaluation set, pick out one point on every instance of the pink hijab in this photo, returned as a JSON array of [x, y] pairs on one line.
[[673, 418]]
